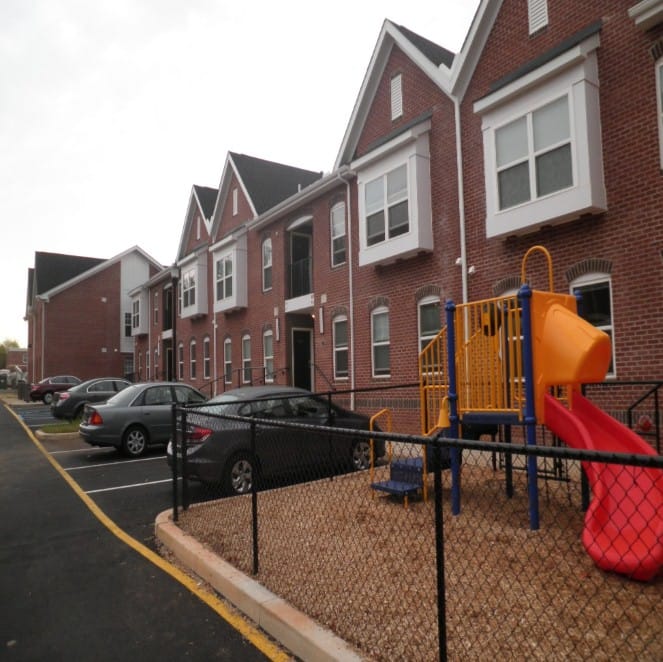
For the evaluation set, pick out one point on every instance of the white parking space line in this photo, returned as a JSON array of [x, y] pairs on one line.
[[122, 462], [126, 487], [84, 448]]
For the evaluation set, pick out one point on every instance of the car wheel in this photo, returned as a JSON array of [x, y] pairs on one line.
[[134, 442], [47, 398], [361, 455], [239, 474]]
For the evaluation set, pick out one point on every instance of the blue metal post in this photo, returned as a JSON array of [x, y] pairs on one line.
[[525, 296], [453, 406]]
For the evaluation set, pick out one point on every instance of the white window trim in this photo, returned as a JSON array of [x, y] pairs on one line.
[[206, 358], [574, 73], [246, 360], [269, 266], [425, 302], [268, 359], [338, 206], [234, 245], [235, 202], [596, 278], [180, 362], [336, 348], [380, 311], [192, 360], [411, 148], [227, 361], [223, 258]]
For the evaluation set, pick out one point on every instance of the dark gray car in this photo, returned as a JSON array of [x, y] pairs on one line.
[[70, 404], [137, 417], [219, 450]]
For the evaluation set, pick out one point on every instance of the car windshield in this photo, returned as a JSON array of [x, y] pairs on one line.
[[223, 404]]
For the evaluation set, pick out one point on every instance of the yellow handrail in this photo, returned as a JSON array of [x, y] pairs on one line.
[[543, 250]]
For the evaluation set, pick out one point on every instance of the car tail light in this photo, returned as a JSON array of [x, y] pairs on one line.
[[197, 434], [63, 396], [95, 418]]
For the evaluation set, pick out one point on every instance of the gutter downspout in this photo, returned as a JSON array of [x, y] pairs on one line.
[[461, 200], [351, 316]]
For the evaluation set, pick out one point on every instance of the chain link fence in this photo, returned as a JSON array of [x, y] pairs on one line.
[[393, 571]]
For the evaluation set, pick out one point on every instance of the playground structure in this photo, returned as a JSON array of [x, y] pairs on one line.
[[521, 360]]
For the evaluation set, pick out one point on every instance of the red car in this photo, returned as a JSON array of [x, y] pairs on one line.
[[46, 387]]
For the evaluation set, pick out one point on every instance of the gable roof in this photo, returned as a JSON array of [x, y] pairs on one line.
[[433, 60], [204, 199], [95, 266], [53, 269], [264, 183], [267, 183]]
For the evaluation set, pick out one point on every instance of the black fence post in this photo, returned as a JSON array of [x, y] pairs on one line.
[[173, 436], [254, 498], [185, 472], [439, 553]]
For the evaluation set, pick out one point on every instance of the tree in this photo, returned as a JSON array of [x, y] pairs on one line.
[[8, 343]]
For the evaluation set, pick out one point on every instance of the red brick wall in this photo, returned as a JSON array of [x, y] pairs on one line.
[[629, 234], [82, 329]]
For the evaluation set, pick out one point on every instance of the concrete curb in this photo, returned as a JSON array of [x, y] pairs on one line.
[[300, 634]]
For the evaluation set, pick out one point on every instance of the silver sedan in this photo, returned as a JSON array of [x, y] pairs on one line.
[[137, 417]]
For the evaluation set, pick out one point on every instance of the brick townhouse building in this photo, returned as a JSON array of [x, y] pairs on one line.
[[78, 313], [546, 129]]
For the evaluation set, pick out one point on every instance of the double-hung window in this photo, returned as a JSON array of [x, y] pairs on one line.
[[386, 205], [224, 277], [192, 359], [533, 154], [338, 234], [246, 359], [227, 361], [267, 264], [341, 347], [135, 314], [595, 306], [180, 362], [268, 354], [380, 342], [189, 288], [206, 358], [543, 155], [429, 320]]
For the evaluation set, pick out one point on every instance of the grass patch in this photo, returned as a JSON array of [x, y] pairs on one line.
[[65, 426]]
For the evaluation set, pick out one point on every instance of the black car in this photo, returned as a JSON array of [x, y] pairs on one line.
[[219, 450], [70, 404]]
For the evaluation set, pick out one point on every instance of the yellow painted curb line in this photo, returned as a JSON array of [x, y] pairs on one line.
[[246, 629]]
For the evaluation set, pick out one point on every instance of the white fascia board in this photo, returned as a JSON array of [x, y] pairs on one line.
[[647, 14], [229, 239], [535, 78]]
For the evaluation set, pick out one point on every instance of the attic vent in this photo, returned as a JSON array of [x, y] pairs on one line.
[[656, 50], [538, 14], [396, 97]]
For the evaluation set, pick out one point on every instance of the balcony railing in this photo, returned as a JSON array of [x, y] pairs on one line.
[[300, 278]]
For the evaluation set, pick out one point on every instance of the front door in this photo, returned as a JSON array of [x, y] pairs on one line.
[[302, 359]]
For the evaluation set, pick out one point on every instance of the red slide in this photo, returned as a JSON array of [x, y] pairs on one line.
[[624, 522]]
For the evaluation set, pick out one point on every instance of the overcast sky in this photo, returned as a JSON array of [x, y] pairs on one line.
[[110, 110]]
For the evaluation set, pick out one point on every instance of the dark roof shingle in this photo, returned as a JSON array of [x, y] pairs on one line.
[[268, 183]]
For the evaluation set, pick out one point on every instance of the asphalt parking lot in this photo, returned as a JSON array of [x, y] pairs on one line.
[[132, 492]]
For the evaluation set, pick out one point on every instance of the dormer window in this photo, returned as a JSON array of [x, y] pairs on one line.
[[396, 97]]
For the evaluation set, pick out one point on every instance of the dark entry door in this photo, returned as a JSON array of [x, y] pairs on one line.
[[301, 358]]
